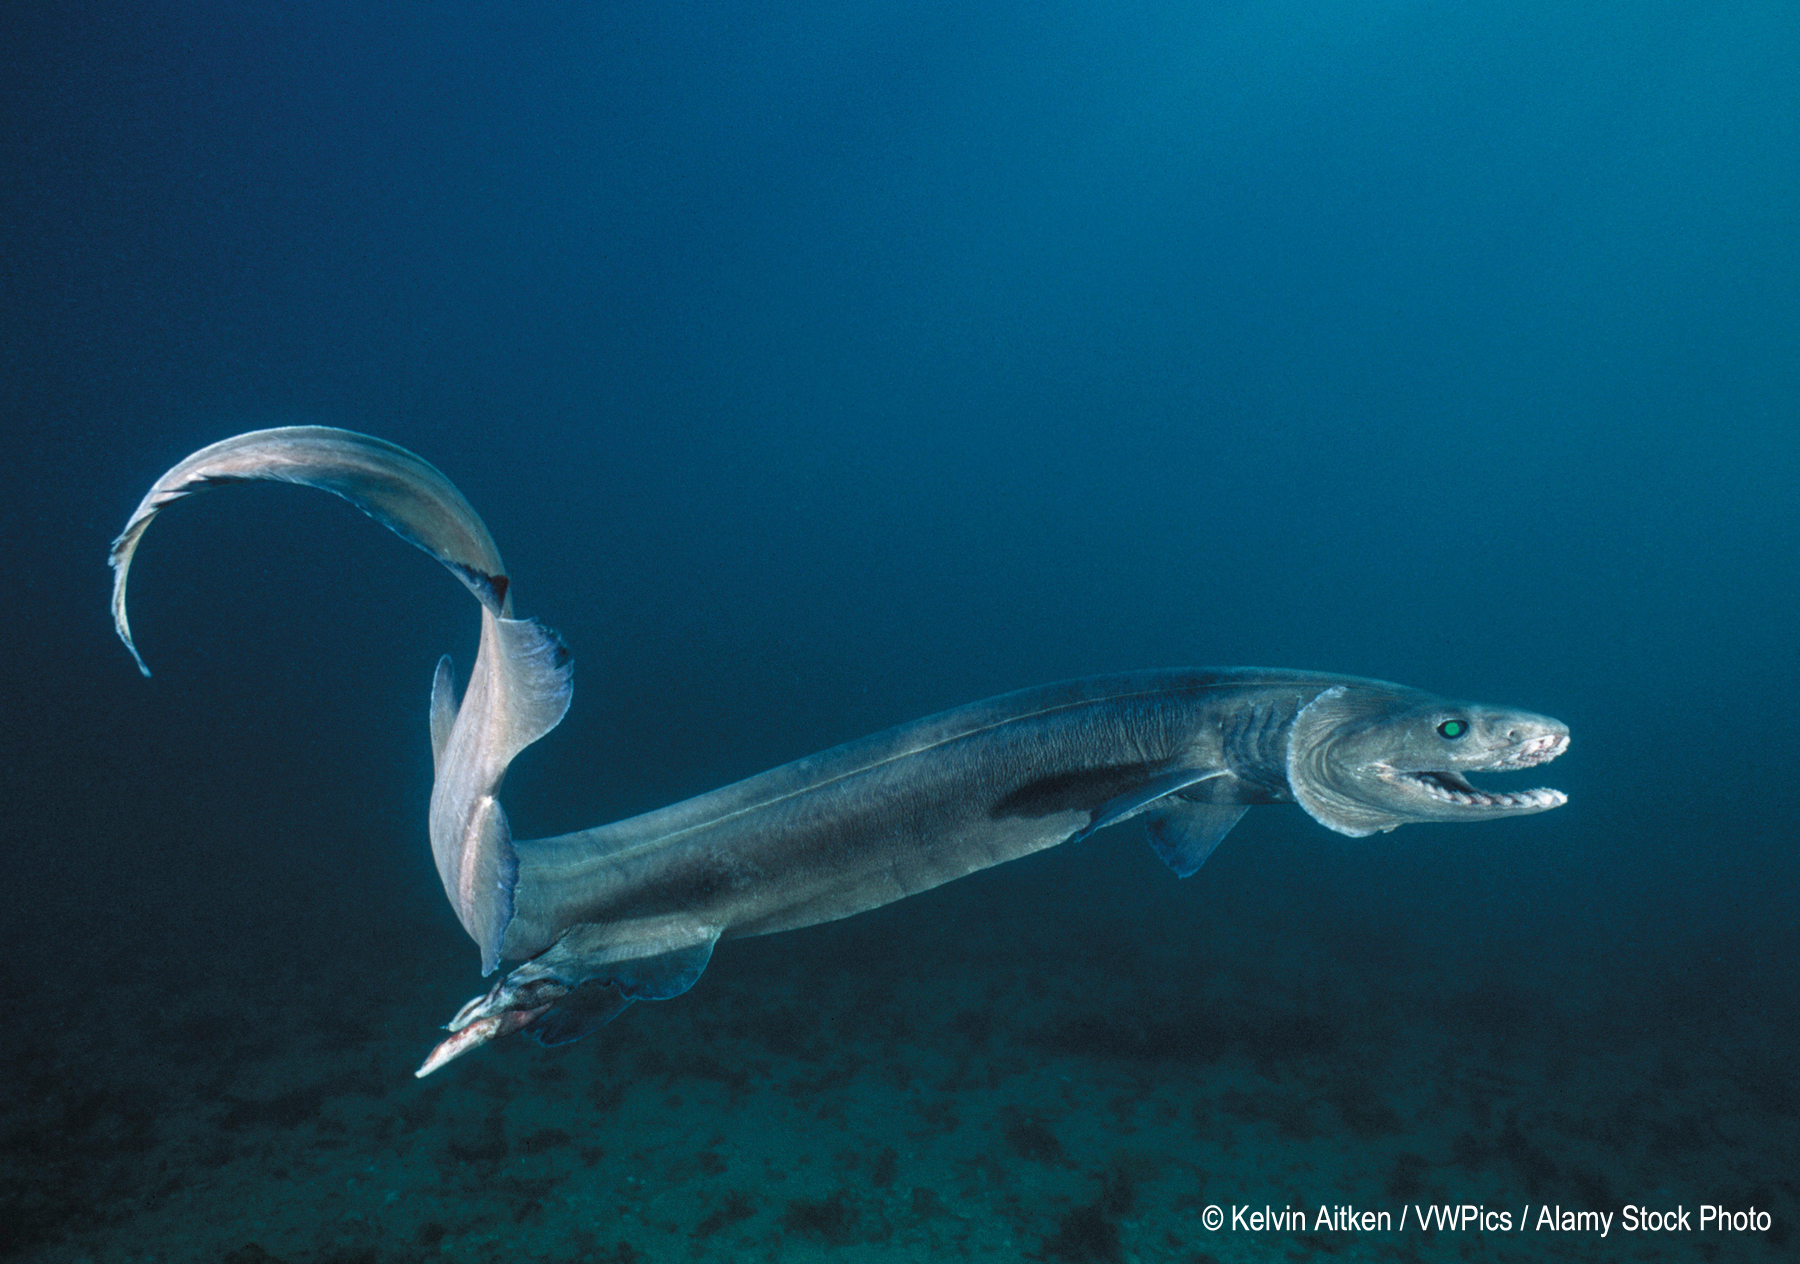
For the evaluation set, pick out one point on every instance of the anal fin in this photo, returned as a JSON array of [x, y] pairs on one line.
[[603, 998], [581, 983], [581, 1013]]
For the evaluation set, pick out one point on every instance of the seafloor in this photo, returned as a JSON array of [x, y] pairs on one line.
[[1039, 1063]]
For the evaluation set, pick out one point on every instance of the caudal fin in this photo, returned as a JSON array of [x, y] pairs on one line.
[[519, 687], [400, 490]]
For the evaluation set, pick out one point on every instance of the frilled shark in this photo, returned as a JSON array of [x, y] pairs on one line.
[[631, 911]]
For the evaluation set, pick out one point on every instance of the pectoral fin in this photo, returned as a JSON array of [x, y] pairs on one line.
[[1133, 801], [1185, 834]]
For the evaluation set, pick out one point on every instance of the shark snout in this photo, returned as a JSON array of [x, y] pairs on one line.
[[1540, 748]]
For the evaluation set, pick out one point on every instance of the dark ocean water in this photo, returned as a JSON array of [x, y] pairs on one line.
[[821, 366]]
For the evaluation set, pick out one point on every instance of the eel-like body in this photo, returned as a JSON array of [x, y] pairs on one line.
[[631, 910]]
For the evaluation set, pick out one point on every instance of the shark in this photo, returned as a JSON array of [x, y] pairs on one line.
[[631, 911]]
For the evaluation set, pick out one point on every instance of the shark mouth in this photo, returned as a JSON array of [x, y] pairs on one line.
[[1453, 787]]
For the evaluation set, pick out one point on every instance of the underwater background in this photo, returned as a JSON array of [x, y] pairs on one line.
[[818, 366]]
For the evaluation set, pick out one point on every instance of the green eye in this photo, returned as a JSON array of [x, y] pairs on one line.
[[1453, 729]]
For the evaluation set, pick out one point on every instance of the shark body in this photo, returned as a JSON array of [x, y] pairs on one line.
[[631, 910]]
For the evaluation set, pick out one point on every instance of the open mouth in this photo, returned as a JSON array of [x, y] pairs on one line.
[[1453, 787]]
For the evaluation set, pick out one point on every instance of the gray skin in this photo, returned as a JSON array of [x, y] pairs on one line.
[[630, 911]]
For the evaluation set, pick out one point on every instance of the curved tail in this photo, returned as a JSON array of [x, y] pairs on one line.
[[519, 687]]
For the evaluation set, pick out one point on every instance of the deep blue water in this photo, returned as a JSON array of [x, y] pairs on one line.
[[820, 366]]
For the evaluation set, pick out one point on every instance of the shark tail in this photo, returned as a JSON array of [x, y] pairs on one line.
[[519, 687], [403, 492]]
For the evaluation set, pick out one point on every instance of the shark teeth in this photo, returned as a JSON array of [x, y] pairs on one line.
[[1468, 796], [1539, 750]]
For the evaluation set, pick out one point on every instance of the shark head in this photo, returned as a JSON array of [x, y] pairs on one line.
[[1369, 757]]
